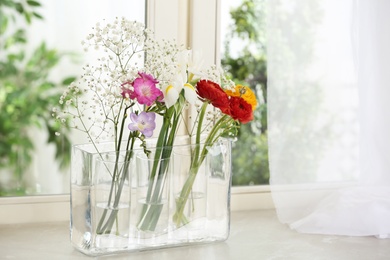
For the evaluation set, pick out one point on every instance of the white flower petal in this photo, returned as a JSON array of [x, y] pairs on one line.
[[170, 95], [190, 94]]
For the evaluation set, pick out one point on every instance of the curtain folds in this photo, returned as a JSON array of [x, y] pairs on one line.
[[329, 115]]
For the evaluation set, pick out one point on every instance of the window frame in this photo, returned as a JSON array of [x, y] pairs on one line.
[[56, 208], [190, 31]]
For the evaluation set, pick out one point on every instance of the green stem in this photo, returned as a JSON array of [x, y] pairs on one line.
[[197, 159], [199, 132], [181, 201], [214, 135], [147, 214], [106, 228], [153, 206]]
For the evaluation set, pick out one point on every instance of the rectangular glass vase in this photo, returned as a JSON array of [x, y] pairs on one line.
[[118, 205]]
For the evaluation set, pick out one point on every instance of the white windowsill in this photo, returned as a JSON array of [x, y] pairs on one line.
[[53, 208], [255, 234]]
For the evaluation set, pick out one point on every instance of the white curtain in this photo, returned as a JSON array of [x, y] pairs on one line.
[[329, 115]]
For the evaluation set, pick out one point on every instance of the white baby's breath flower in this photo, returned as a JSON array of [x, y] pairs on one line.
[[195, 63], [126, 48]]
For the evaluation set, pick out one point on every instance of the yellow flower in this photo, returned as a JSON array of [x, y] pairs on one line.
[[245, 93]]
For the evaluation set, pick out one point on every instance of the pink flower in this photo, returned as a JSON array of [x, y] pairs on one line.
[[126, 91], [144, 122], [145, 90]]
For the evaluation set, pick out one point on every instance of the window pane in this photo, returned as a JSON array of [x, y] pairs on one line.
[[34, 59], [244, 57]]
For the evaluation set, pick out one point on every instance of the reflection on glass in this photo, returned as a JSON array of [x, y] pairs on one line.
[[40, 51]]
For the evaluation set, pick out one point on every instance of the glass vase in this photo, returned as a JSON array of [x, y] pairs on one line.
[[100, 199], [189, 194], [149, 202], [153, 174], [201, 193], [110, 201]]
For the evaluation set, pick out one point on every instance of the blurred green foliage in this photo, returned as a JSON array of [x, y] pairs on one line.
[[26, 95], [248, 66]]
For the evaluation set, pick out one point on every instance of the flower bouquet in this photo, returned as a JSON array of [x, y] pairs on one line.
[[131, 168]]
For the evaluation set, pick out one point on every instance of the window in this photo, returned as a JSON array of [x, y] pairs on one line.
[[243, 55], [48, 54], [190, 30]]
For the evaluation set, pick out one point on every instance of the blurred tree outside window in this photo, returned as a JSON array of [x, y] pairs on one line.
[[244, 57], [40, 49], [26, 95]]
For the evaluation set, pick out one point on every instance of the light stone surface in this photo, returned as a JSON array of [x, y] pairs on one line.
[[254, 235]]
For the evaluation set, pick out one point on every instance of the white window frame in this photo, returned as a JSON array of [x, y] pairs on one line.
[[204, 35], [196, 25]]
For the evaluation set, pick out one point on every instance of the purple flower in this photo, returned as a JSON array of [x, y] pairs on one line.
[[145, 89], [144, 122]]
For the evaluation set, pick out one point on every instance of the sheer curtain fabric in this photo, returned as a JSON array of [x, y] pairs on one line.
[[329, 115]]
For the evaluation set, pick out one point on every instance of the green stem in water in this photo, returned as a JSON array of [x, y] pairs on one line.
[[106, 228], [153, 206], [196, 161], [122, 173]]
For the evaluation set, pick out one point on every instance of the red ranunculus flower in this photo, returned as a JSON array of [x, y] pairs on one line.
[[214, 93], [240, 110]]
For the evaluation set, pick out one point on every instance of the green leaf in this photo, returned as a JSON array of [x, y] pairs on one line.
[[68, 81], [33, 3], [62, 144], [15, 39], [20, 36], [28, 17], [46, 86], [3, 23], [8, 69], [7, 3], [16, 56], [19, 7], [37, 15]]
